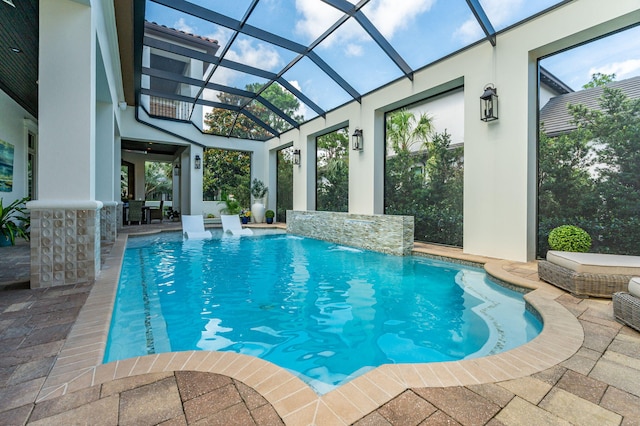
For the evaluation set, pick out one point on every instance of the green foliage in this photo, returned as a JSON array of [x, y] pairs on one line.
[[158, 178], [226, 172], [232, 207], [332, 183], [569, 238], [591, 177], [226, 122], [14, 220], [434, 197], [258, 189], [269, 214], [598, 79], [284, 189]]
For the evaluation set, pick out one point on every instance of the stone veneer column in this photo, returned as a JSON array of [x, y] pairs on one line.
[[109, 221], [65, 242]]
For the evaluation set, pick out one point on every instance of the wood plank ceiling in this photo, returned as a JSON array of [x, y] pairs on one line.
[[19, 52]]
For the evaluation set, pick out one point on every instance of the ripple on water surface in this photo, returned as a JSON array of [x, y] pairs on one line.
[[326, 313]]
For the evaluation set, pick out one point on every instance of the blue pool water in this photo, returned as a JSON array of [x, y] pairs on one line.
[[324, 312]]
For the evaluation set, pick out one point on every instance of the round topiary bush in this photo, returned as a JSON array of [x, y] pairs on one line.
[[569, 238]]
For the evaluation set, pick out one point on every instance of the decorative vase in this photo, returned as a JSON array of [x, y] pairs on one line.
[[269, 220], [244, 220], [257, 211], [5, 241]]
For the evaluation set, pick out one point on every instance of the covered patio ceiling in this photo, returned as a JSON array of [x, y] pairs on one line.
[[273, 65]]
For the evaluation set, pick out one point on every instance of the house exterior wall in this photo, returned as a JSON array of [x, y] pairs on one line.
[[500, 157]]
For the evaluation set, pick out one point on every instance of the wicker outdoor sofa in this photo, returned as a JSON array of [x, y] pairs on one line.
[[626, 305], [589, 274]]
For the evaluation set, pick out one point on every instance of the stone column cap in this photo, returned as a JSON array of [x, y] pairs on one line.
[[64, 204]]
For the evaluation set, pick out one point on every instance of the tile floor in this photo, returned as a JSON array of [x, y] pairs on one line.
[[585, 371]]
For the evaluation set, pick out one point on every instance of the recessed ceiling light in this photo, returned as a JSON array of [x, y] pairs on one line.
[[9, 2], [15, 49]]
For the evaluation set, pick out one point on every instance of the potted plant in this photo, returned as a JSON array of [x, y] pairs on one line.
[[14, 221], [173, 215], [269, 215], [258, 191], [232, 207], [245, 215], [569, 238]]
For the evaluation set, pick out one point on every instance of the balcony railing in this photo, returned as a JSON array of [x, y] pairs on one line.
[[169, 108]]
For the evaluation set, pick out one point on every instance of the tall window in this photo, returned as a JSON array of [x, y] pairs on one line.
[[227, 174], [32, 165], [589, 143], [424, 168], [158, 181], [332, 171], [127, 181], [284, 186]]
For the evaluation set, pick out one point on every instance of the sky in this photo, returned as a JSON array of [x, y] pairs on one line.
[[421, 31], [617, 54]]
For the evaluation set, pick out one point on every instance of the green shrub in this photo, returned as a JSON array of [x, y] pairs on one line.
[[569, 238], [269, 214]]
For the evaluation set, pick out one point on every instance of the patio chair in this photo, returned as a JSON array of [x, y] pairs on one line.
[[589, 274], [626, 305], [231, 223], [156, 213], [193, 227], [135, 212]]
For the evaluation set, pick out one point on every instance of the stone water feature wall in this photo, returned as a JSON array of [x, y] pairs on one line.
[[384, 233]]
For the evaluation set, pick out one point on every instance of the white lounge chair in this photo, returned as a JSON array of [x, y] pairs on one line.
[[193, 227], [231, 223]]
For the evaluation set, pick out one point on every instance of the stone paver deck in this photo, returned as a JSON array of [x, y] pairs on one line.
[[48, 372]]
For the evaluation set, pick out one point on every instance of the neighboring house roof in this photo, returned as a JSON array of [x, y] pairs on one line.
[[209, 44], [555, 114], [553, 82]]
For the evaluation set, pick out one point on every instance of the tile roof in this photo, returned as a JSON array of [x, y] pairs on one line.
[[555, 115]]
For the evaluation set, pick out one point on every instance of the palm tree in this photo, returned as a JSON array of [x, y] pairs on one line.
[[404, 131]]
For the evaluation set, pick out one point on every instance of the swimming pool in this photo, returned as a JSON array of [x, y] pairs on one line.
[[324, 312]]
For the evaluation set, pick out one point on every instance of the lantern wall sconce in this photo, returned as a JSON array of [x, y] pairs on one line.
[[197, 162], [296, 157], [489, 104], [176, 170], [357, 142]]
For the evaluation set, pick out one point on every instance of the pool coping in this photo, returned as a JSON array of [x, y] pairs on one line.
[[79, 364]]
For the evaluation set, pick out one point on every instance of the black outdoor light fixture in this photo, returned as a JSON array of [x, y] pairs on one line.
[[489, 104], [198, 162], [176, 170], [357, 140], [296, 157]]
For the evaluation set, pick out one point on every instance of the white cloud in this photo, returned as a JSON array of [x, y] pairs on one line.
[[388, 16], [498, 11], [316, 18], [353, 50], [181, 25], [260, 56], [302, 109], [622, 70], [391, 15]]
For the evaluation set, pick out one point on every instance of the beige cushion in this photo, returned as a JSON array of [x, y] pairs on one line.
[[634, 286], [596, 263]]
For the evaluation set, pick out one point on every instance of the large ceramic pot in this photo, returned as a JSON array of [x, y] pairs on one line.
[[257, 212], [5, 241]]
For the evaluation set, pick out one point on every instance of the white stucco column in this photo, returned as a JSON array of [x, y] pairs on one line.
[[105, 171], [65, 243], [190, 182]]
